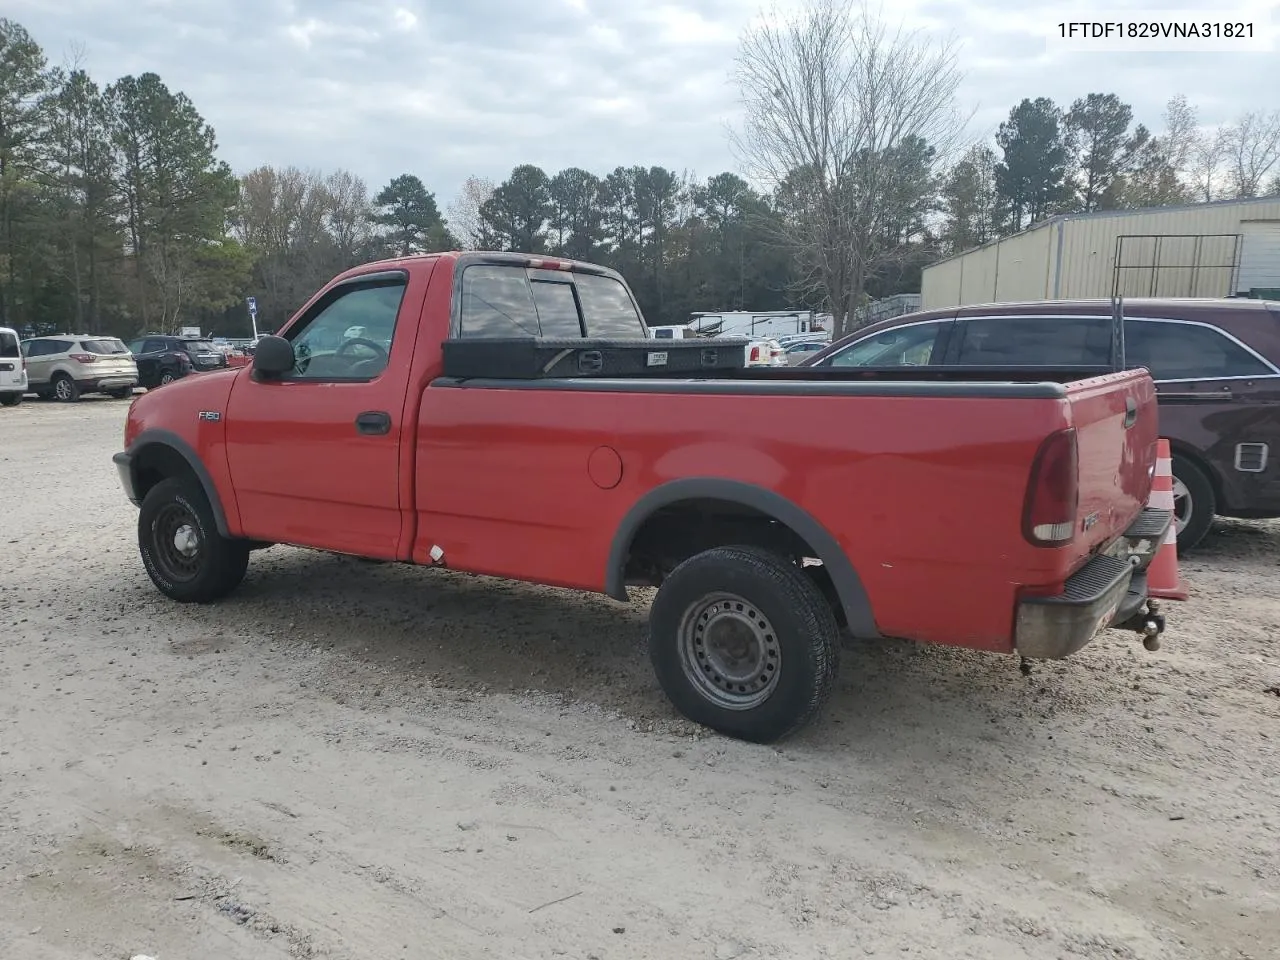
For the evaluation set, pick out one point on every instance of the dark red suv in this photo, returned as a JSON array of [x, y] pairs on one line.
[[1216, 364]]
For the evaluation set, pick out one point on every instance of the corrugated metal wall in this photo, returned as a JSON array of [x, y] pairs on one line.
[[1260, 263], [1015, 268], [1028, 266]]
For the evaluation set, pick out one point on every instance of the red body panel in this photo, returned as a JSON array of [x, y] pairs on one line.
[[923, 494]]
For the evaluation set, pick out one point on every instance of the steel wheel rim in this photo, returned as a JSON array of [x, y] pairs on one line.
[[1181, 505], [62, 389], [730, 652], [176, 538]]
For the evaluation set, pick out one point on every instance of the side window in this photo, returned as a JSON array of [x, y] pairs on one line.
[[135, 346], [557, 309], [607, 308], [31, 348], [910, 346], [1187, 351], [1035, 342], [496, 302], [348, 336]]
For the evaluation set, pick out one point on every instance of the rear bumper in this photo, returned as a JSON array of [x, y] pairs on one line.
[[1109, 590], [109, 382]]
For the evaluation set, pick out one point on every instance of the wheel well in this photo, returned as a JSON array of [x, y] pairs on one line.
[[675, 532], [1189, 453], [156, 462]]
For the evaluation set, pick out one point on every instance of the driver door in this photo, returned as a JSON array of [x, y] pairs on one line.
[[315, 455]]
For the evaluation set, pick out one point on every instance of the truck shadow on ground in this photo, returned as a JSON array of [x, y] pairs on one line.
[[473, 633], [461, 632]]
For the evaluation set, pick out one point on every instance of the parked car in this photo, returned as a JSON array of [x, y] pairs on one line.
[[765, 352], [767, 506], [163, 358], [67, 366], [799, 351], [1216, 364], [13, 368]]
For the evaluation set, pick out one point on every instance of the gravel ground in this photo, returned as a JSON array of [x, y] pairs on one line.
[[351, 760]]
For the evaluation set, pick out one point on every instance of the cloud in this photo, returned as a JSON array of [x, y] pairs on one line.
[[447, 89]]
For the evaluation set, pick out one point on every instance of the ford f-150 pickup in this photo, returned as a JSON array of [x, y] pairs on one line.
[[772, 508]]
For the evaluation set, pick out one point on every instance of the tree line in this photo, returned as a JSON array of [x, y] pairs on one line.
[[117, 215]]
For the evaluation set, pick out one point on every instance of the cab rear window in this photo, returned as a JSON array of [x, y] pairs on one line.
[[501, 300], [9, 344]]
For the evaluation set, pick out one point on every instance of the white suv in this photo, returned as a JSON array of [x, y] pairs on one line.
[[13, 370], [65, 366]]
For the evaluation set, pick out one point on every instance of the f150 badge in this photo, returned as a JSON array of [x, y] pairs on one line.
[[212, 415]]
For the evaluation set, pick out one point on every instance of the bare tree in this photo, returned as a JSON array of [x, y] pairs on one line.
[[837, 106], [1181, 133], [1252, 148], [1207, 156], [350, 213], [463, 214]]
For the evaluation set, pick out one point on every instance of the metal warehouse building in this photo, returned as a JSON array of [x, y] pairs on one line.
[[1220, 249]]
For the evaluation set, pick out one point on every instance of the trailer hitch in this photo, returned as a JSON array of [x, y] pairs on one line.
[[1149, 625]]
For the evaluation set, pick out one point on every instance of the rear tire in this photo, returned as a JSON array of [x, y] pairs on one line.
[[65, 389], [185, 556], [10, 399], [743, 642], [166, 377], [1194, 502], [123, 394]]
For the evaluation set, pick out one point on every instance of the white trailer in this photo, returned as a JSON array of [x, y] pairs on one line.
[[760, 323]]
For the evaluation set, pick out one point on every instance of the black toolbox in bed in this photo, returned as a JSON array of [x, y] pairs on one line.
[[532, 358]]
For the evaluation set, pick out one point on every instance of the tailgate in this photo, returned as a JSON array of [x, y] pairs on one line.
[[1117, 426]]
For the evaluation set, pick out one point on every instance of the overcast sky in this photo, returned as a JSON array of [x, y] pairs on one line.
[[449, 88]]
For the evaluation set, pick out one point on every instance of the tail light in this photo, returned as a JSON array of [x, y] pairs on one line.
[[755, 354], [1053, 494], [185, 362], [84, 357]]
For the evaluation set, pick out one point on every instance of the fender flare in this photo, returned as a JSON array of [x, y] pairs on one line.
[[853, 596], [166, 438]]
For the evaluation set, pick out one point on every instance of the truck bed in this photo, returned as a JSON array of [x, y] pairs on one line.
[[884, 466]]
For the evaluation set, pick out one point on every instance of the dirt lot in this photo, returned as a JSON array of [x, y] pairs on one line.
[[357, 761]]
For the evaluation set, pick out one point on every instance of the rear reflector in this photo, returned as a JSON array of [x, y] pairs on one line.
[[1053, 492]]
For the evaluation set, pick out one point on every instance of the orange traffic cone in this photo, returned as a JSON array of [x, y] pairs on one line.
[[1162, 576]]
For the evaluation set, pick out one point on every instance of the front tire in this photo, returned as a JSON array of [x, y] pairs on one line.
[[1194, 502], [185, 556], [743, 642]]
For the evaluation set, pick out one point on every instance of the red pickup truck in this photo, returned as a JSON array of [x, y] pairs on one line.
[[771, 507]]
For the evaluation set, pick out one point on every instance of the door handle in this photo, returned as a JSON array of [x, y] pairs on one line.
[[1130, 412], [374, 422]]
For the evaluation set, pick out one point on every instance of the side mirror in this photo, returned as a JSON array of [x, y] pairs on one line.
[[272, 357]]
